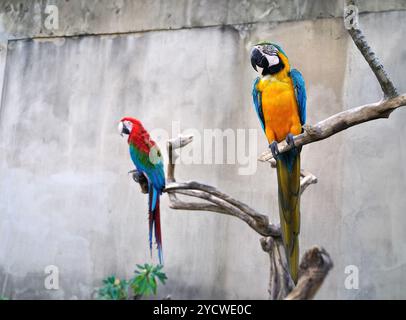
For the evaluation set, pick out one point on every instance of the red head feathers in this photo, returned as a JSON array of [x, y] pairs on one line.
[[137, 135]]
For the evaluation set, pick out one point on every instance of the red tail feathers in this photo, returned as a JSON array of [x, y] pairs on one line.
[[158, 236], [155, 225]]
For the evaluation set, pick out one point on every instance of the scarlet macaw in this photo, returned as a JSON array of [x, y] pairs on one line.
[[148, 161], [279, 96]]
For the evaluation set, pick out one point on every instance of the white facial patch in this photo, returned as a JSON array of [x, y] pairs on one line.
[[272, 60], [120, 128], [129, 125]]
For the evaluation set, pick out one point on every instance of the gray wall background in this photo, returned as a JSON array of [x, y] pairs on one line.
[[66, 198]]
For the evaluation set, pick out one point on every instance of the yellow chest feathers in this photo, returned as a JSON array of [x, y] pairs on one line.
[[279, 107]]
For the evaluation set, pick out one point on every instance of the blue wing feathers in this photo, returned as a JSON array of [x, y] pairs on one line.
[[300, 93], [154, 199], [256, 97]]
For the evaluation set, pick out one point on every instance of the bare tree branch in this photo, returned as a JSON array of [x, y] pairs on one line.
[[193, 185], [219, 201], [313, 269], [307, 179], [340, 122], [177, 204], [140, 179], [358, 37], [260, 226], [280, 281], [173, 145]]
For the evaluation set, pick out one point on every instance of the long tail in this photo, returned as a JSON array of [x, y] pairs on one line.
[[288, 172], [154, 217]]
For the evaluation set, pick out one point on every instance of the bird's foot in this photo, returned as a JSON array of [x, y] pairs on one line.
[[137, 175], [140, 178], [274, 149], [289, 140]]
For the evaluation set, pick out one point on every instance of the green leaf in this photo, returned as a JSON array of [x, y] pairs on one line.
[[112, 290], [153, 285], [162, 277], [143, 287]]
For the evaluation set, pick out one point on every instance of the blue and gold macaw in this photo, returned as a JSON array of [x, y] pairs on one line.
[[279, 96]]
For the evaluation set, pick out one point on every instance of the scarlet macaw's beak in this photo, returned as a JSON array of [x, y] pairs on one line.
[[122, 129]]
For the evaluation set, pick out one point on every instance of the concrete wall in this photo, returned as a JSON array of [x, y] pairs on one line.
[[66, 199]]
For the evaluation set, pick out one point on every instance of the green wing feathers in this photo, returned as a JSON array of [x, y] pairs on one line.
[[289, 209]]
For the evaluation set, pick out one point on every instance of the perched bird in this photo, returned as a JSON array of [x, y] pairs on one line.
[[148, 161], [279, 96]]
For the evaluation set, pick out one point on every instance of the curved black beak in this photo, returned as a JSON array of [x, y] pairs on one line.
[[258, 59], [122, 129], [125, 130]]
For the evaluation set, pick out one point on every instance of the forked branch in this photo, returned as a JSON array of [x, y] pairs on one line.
[[280, 284], [216, 200]]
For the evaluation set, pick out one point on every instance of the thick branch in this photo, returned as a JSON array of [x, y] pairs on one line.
[[193, 185], [140, 179], [313, 269], [177, 204], [280, 281], [340, 122], [172, 145], [307, 179], [358, 37], [219, 201], [224, 207]]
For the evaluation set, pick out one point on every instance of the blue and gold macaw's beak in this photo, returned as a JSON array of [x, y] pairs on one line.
[[265, 59]]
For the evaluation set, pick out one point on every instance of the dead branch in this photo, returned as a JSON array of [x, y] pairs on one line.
[[280, 284], [307, 179], [219, 201], [313, 269], [340, 122], [358, 37], [280, 281], [140, 179], [355, 116]]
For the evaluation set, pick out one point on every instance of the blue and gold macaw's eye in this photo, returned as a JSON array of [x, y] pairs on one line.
[[270, 50]]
